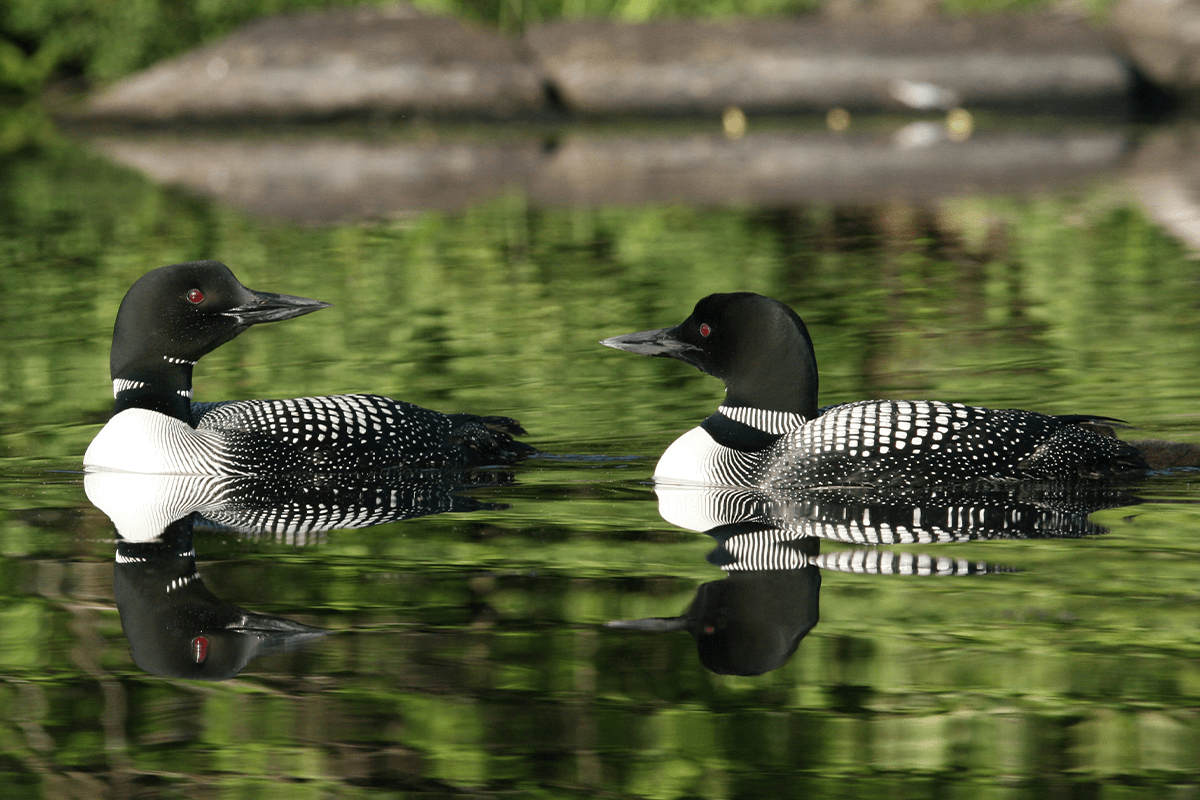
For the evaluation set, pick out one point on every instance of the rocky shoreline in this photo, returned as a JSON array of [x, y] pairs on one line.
[[399, 66], [397, 62]]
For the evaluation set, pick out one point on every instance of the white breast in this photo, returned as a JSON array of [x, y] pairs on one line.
[[138, 440], [702, 508], [141, 506], [696, 457]]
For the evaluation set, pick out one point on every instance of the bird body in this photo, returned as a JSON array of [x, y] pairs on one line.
[[771, 433], [174, 315]]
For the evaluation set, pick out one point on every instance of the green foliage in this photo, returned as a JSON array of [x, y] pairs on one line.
[[102, 41]]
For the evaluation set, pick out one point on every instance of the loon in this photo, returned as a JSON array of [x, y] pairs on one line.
[[770, 433], [174, 315], [176, 627]]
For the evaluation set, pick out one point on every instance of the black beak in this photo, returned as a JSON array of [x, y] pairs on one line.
[[277, 628], [267, 634], [269, 307], [662, 342]]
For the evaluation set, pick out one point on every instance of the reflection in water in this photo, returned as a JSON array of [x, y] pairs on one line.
[[322, 179], [293, 511], [868, 516], [752, 621], [175, 626]]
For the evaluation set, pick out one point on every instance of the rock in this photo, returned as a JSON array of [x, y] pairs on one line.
[[1164, 173], [1162, 454], [1163, 39], [340, 61], [687, 67]]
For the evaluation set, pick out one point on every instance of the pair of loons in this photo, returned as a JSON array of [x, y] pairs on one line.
[[768, 432]]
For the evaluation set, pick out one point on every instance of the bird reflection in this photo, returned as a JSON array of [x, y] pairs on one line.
[[769, 545], [752, 621], [175, 626]]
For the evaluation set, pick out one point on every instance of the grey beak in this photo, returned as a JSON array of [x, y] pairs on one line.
[[661, 342], [270, 307]]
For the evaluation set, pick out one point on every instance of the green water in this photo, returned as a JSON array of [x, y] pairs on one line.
[[470, 654]]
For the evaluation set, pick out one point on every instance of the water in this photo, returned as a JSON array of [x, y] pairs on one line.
[[469, 651]]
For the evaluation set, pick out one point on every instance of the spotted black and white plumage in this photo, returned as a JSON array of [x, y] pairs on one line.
[[939, 516], [174, 315], [300, 514], [760, 548], [351, 433], [282, 509], [929, 443], [870, 516], [770, 433]]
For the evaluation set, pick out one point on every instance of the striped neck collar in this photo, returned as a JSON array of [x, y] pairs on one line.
[[775, 422], [121, 385], [749, 430]]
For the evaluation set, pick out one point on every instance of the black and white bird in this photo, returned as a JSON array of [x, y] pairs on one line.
[[770, 432], [174, 315], [176, 627]]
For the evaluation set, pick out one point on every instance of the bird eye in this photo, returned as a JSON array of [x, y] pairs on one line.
[[704, 329], [199, 649], [195, 296]]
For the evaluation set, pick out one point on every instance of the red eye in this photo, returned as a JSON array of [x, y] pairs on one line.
[[195, 296], [199, 646], [704, 329]]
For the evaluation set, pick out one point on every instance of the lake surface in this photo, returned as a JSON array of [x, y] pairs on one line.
[[468, 652]]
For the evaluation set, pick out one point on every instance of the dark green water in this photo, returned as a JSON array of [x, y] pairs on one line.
[[469, 653]]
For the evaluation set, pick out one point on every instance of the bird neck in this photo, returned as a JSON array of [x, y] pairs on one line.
[[165, 387], [780, 378]]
